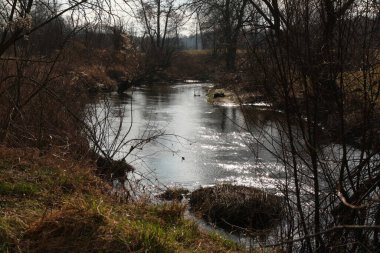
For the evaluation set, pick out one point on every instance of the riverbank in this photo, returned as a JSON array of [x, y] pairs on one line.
[[49, 202], [227, 96]]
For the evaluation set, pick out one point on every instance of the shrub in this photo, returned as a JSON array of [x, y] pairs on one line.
[[232, 206]]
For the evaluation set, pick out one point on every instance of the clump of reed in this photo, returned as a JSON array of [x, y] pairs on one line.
[[174, 193], [231, 206]]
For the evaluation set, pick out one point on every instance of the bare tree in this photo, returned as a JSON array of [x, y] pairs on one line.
[[36, 62], [321, 57], [228, 18], [162, 20]]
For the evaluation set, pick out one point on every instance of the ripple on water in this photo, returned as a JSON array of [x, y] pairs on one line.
[[229, 105], [239, 143], [219, 147], [219, 152], [209, 147], [236, 167], [214, 137], [258, 182]]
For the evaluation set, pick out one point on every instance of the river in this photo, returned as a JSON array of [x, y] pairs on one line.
[[201, 144]]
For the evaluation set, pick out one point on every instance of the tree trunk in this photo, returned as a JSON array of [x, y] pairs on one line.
[[231, 57]]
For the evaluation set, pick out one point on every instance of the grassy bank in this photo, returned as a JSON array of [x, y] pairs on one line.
[[50, 203]]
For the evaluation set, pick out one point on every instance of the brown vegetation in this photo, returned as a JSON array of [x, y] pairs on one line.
[[193, 65], [50, 196], [174, 193], [54, 203], [37, 109], [237, 207]]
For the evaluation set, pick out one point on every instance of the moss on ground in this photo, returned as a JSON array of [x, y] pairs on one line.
[[54, 204]]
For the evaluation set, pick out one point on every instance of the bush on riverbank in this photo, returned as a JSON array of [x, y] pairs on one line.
[[53, 204], [174, 193], [193, 64], [231, 206]]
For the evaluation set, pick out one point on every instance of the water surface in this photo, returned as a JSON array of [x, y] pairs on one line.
[[202, 144]]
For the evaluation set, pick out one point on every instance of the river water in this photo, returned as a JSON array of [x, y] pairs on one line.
[[200, 143]]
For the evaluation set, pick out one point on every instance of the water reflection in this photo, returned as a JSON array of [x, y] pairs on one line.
[[213, 140]]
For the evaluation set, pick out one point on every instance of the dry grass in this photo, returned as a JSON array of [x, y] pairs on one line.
[[53, 204], [234, 207], [194, 65], [88, 67], [174, 193]]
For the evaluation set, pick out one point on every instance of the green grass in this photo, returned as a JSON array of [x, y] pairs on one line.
[[226, 243], [18, 188], [9, 229], [64, 208], [8, 164]]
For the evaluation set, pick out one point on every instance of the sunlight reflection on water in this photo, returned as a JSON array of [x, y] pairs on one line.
[[208, 145]]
